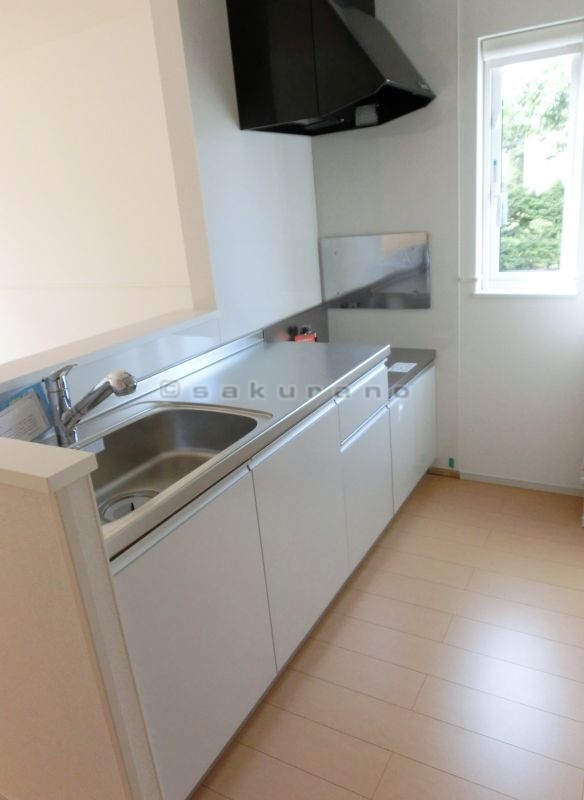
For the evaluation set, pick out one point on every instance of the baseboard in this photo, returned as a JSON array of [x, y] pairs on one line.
[[444, 472], [538, 487]]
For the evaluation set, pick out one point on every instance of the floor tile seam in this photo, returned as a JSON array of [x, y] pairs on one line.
[[484, 546], [453, 775], [469, 579], [421, 606], [205, 785], [465, 506], [419, 692], [366, 655], [501, 528], [544, 530], [568, 525], [522, 602], [509, 551], [530, 706], [525, 534], [383, 774], [448, 627], [463, 615], [555, 759], [386, 571], [412, 707], [523, 633], [355, 588], [510, 661], [357, 795], [337, 730], [388, 627], [360, 692], [403, 527], [557, 499], [493, 490], [439, 678], [509, 574], [466, 649], [413, 712], [418, 555], [572, 525]]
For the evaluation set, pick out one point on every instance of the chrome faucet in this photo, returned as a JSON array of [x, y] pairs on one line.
[[66, 417]]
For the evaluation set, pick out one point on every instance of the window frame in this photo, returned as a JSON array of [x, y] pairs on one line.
[[494, 54]]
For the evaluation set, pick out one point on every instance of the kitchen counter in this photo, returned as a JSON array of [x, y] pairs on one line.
[[280, 378], [407, 355], [282, 382]]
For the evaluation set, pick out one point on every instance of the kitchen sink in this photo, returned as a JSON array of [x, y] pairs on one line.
[[149, 454]]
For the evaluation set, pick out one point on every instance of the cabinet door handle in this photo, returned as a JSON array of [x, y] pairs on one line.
[[166, 528], [348, 391], [282, 441], [369, 423]]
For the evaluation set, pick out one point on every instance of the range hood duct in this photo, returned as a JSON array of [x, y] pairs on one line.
[[318, 66]]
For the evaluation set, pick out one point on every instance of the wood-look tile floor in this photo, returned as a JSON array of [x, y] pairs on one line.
[[450, 668]]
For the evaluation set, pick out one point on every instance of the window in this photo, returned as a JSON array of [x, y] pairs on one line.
[[531, 183]]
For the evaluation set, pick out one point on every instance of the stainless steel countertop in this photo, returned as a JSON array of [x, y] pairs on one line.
[[284, 381], [421, 358]]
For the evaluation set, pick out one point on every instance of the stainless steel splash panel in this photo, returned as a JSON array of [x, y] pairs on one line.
[[381, 271]]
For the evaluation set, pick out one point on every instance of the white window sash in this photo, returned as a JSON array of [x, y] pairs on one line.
[[574, 187], [523, 45], [492, 171], [494, 55]]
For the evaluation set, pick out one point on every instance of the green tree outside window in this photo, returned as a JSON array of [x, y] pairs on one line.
[[537, 111]]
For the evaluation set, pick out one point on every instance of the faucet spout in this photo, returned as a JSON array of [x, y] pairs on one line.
[[119, 383], [65, 416]]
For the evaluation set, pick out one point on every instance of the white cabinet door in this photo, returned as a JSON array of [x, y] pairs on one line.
[[299, 494], [368, 485], [425, 399], [413, 433], [403, 447], [195, 615]]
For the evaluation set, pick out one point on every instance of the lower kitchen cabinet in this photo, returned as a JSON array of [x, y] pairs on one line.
[[214, 601], [425, 389], [299, 494], [194, 610], [413, 433], [366, 459]]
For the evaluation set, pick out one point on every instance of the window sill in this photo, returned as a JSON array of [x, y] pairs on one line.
[[569, 288], [525, 294]]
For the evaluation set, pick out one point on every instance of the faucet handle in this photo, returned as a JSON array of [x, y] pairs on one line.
[[61, 372]]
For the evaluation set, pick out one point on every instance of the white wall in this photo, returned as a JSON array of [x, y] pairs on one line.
[[90, 231], [511, 370], [403, 177], [522, 359], [258, 189]]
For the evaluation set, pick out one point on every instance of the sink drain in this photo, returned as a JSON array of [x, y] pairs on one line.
[[117, 507]]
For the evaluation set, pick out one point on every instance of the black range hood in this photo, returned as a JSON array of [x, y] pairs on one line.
[[318, 66]]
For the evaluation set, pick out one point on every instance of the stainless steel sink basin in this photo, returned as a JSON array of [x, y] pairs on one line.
[[149, 454]]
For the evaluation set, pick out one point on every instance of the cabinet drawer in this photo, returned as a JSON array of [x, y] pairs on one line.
[[361, 399]]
